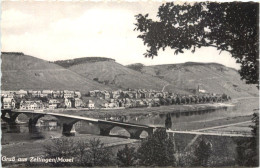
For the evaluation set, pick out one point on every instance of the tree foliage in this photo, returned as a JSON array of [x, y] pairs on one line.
[[202, 153], [157, 150], [168, 121], [63, 147], [85, 153], [247, 149], [127, 156], [229, 26], [97, 154]]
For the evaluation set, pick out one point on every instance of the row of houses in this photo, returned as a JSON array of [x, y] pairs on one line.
[[42, 93], [131, 103], [132, 94], [11, 103], [170, 100]]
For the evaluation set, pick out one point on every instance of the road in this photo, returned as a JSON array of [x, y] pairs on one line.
[[210, 133], [165, 86], [241, 98], [198, 131], [222, 126]]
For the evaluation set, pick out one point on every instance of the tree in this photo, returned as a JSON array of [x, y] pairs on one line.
[[168, 121], [90, 153], [229, 26], [98, 155], [62, 147], [157, 150], [127, 156], [202, 153], [247, 149]]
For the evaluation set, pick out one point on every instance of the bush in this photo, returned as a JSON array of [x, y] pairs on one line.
[[98, 155], [157, 150], [202, 153], [92, 153], [127, 156], [247, 149]]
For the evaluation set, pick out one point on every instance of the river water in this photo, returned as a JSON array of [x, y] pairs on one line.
[[181, 121]]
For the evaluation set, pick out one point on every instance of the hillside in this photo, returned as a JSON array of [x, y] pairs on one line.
[[21, 71], [114, 74], [211, 77]]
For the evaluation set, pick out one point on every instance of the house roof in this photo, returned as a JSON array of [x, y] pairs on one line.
[[8, 99]]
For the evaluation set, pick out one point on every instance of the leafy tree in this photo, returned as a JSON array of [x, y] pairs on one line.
[[62, 147], [97, 154], [157, 150], [229, 26], [127, 156], [90, 153], [168, 121], [202, 153], [137, 67]]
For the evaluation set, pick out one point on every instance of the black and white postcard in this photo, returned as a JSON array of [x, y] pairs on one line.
[[129, 84]]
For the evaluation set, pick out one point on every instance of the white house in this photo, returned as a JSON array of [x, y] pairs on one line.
[[8, 103], [31, 105], [53, 106], [68, 103], [78, 102], [91, 104], [78, 94]]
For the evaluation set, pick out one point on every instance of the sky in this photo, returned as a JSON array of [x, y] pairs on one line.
[[66, 30]]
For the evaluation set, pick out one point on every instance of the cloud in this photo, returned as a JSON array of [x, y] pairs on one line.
[[13, 18]]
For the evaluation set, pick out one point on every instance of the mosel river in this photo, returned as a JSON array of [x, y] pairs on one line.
[[48, 127]]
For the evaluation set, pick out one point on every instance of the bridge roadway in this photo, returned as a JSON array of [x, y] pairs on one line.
[[68, 120], [232, 134], [210, 133]]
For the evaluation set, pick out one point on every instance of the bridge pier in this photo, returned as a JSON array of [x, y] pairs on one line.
[[134, 133], [105, 129], [66, 130], [11, 119], [33, 119], [32, 128], [67, 125]]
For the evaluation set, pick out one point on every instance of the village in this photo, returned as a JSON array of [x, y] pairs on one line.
[[119, 99]]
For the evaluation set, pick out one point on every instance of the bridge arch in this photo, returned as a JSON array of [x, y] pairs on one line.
[[120, 131], [144, 134], [32, 117]]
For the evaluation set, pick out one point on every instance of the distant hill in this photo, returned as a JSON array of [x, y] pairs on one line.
[[77, 61], [211, 77], [21, 71], [114, 74]]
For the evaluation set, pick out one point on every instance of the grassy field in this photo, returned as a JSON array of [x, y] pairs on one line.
[[36, 148]]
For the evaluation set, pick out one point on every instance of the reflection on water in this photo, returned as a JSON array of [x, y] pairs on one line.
[[21, 132]]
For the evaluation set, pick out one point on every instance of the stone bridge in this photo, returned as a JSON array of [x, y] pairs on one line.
[[68, 121]]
